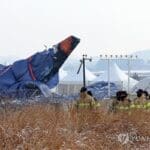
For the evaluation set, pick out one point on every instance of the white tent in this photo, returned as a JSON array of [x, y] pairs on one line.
[[71, 82], [143, 84], [116, 76], [74, 78]]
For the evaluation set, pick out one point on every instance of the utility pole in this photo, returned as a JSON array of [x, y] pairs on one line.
[[82, 61]]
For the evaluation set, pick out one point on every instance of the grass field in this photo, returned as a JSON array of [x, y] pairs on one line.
[[47, 127]]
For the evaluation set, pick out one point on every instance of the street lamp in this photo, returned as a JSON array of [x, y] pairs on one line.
[[116, 57]]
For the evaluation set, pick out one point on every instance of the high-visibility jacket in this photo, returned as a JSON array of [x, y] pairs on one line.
[[133, 106], [148, 105], [122, 107], [88, 105], [145, 105], [97, 104]]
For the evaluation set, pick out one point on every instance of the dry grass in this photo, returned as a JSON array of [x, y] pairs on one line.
[[45, 127]]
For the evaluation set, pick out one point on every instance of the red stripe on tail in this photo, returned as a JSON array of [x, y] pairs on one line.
[[31, 69]]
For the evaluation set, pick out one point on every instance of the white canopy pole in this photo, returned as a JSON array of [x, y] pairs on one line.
[[129, 76], [109, 78]]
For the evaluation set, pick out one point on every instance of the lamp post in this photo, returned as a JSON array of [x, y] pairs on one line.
[[108, 77], [108, 58], [118, 57], [130, 57], [129, 71]]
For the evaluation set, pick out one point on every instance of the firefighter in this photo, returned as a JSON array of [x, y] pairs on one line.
[[85, 100], [140, 101], [141, 97], [147, 99], [146, 95], [97, 104], [121, 102]]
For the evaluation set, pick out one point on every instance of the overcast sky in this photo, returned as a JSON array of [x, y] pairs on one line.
[[104, 26]]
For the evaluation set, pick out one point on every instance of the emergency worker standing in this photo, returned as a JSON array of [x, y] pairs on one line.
[[85, 100], [142, 100], [121, 102]]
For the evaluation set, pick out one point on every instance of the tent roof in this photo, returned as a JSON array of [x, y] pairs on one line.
[[116, 75], [72, 76], [143, 84]]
